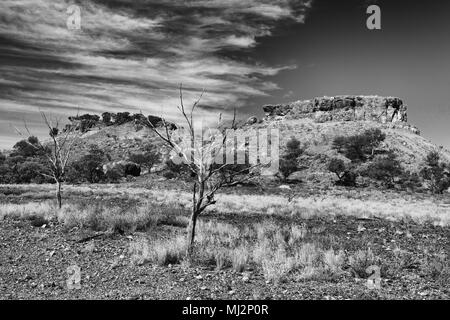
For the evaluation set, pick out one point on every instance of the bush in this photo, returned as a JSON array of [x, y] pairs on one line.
[[2, 158], [88, 168], [26, 148], [106, 118], [132, 169], [87, 121], [360, 147], [113, 175], [146, 158], [31, 172], [121, 118], [345, 174], [289, 161], [385, 169], [231, 173], [436, 173], [25, 164], [176, 170], [410, 181]]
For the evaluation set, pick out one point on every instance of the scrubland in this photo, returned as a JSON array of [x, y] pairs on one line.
[[297, 244]]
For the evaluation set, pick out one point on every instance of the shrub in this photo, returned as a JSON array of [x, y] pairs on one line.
[[385, 169], [339, 143], [2, 158], [289, 161], [25, 164], [132, 169], [358, 148], [147, 157], [121, 117], [410, 181], [106, 118], [436, 173], [346, 177], [176, 170], [88, 168], [31, 171], [169, 174], [232, 173], [86, 121], [25, 148], [113, 175]]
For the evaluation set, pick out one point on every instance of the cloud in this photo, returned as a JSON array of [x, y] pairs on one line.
[[133, 54]]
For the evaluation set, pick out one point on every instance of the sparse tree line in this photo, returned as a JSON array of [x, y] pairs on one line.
[[28, 163], [85, 122], [361, 156]]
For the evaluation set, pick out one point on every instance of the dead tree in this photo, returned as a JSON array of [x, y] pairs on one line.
[[201, 160], [58, 152]]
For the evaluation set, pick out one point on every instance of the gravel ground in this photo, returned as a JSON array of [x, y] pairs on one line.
[[34, 262]]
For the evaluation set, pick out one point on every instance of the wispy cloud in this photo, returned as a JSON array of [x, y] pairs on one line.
[[132, 54]]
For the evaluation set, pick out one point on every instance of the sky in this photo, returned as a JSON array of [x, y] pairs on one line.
[[132, 55]]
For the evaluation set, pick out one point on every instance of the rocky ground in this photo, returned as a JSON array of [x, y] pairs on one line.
[[34, 259]]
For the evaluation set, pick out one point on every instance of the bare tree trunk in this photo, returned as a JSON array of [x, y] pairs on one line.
[[58, 194], [197, 201], [191, 232], [192, 223]]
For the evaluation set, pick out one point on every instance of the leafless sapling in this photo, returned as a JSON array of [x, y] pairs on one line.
[[201, 160], [58, 151]]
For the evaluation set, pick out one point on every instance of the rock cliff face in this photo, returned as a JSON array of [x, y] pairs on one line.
[[344, 108]]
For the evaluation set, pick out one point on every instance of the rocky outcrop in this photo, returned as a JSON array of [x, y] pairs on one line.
[[343, 108]]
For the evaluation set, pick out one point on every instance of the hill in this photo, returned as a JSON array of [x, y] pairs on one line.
[[315, 123]]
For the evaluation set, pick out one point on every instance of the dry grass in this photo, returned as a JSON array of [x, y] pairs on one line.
[[280, 251], [100, 217], [161, 252], [304, 207], [27, 210], [361, 260]]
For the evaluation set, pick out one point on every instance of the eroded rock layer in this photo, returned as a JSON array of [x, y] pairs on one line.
[[389, 110], [343, 108]]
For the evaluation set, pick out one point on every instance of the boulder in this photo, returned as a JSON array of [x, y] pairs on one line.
[[251, 120]]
